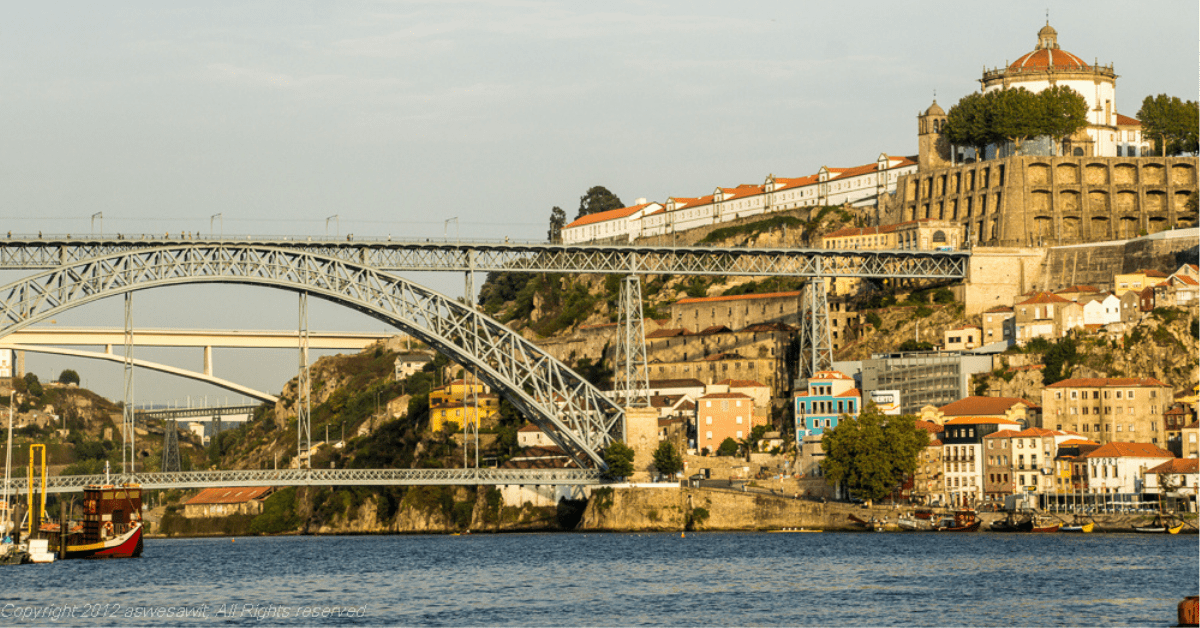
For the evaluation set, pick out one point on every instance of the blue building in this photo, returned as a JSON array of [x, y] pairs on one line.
[[827, 395]]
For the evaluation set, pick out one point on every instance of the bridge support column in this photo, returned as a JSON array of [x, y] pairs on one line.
[[630, 379], [208, 361], [170, 452], [127, 424], [303, 425], [816, 348]]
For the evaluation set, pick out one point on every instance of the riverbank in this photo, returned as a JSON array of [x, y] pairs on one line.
[[609, 509]]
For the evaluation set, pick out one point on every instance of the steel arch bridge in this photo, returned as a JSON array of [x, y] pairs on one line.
[[574, 414]]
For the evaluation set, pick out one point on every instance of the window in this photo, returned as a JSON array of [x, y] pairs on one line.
[[708, 420], [739, 422], [739, 433], [708, 435]]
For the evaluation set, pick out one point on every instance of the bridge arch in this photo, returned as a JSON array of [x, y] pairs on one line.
[[573, 413]]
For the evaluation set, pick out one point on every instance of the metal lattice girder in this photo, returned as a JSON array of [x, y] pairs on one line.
[[331, 477], [170, 451], [573, 413], [816, 347], [191, 413], [488, 257], [630, 375]]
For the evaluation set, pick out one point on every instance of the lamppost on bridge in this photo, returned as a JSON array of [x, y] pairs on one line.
[[337, 225], [446, 227], [99, 215], [210, 223]]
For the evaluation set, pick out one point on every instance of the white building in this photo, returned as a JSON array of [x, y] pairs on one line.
[[1100, 309], [1049, 65], [1121, 467], [860, 185]]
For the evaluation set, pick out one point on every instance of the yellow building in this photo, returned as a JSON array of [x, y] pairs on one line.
[[462, 403], [1137, 280]]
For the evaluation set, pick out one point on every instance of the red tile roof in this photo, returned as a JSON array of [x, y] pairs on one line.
[[928, 426], [741, 383], [1048, 58], [769, 295], [1130, 450], [1187, 466], [1123, 120], [725, 396], [1102, 382], [676, 383], [983, 406], [1044, 297], [829, 375], [998, 310], [980, 420], [229, 495], [607, 215]]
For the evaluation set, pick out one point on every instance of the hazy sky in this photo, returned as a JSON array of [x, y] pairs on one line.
[[395, 116]]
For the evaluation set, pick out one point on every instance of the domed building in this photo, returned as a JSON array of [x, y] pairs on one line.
[[1049, 65]]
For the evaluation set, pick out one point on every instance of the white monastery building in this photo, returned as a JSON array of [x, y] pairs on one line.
[[860, 185]]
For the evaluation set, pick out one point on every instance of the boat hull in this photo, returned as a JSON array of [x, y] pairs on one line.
[[128, 545]]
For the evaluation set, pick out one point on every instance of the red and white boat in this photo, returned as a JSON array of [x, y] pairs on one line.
[[112, 525]]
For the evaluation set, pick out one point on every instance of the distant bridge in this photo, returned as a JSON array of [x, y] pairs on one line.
[[205, 413], [326, 477]]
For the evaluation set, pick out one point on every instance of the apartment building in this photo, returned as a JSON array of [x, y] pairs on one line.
[[1108, 409]]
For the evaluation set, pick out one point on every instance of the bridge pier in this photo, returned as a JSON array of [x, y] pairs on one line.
[[641, 435]]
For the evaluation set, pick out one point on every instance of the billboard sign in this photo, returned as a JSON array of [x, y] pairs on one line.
[[888, 401]]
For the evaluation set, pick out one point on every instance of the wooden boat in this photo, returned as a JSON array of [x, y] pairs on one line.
[[873, 524], [112, 526], [1010, 524], [924, 513], [1084, 528], [912, 523], [1159, 526], [1047, 527], [963, 521]]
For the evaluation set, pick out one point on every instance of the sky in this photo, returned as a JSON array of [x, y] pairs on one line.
[[272, 118]]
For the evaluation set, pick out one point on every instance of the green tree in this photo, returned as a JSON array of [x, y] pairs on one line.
[[1063, 112], [872, 453], [729, 447], [1058, 359], [33, 385], [667, 460], [1171, 123], [619, 458], [598, 199], [1013, 114], [558, 220], [967, 123], [68, 376]]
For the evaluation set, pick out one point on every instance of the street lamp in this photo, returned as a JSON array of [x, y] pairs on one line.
[[99, 215], [210, 223], [337, 225], [446, 227]]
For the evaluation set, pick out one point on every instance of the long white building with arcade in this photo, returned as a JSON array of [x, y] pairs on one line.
[[860, 185]]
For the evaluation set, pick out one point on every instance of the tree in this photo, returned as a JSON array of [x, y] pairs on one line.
[[33, 385], [729, 447], [558, 220], [667, 460], [1063, 112], [68, 376], [619, 458], [872, 453], [967, 123], [1013, 114], [597, 199], [1171, 123]]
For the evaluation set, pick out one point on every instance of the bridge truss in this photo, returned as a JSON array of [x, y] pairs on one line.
[[574, 414], [577, 417], [328, 477]]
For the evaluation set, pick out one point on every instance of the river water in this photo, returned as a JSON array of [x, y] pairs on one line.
[[715, 579]]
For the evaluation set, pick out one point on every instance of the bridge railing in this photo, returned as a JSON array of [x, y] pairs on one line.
[[324, 477]]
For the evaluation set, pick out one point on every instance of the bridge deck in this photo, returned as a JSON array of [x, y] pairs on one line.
[[51, 252], [326, 477]]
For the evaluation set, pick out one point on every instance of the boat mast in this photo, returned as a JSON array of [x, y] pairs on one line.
[[6, 525]]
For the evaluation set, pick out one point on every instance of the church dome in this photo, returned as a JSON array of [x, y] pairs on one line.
[[935, 110], [1047, 55]]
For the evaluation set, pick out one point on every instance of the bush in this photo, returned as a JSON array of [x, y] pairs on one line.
[[728, 447], [68, 376], [619, 458], [278, 514], [874, 320]]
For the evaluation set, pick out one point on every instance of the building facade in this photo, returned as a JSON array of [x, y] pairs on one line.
[[1108, 409], [824, 399]]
